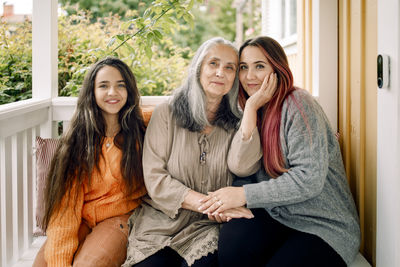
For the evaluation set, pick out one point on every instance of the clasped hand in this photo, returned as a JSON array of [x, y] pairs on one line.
[[225, 204]]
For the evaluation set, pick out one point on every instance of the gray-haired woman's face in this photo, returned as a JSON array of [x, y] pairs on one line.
[[218, 70]]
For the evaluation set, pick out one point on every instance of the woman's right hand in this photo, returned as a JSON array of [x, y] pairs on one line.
[[234, 213], [265, 93], [254, 102]]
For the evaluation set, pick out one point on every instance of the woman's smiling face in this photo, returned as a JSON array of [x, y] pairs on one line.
[[253, 68]]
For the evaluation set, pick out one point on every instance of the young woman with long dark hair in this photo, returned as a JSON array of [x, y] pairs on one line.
[[96, 176]]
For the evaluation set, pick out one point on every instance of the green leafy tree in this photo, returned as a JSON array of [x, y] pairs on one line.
[[103, 8], [142, 42], [15, 62], [216, 18]]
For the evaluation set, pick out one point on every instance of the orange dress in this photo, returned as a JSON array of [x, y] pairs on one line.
[[104, 199]]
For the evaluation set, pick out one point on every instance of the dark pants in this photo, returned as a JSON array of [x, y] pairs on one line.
[[263, 241], [168, 257]]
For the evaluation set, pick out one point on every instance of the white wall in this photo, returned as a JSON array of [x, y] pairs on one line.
[[325, 57], [388, 145]]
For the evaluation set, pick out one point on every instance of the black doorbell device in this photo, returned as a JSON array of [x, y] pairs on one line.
[[383, 71]]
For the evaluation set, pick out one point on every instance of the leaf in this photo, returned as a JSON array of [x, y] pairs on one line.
[[111, 42], [148, 51], [190, 6], [158, 34], [121, 37], [125, 25]]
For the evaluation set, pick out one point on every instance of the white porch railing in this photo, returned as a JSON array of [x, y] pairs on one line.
[[20, 123]]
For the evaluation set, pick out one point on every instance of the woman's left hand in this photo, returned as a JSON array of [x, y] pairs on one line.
[[223, 199]]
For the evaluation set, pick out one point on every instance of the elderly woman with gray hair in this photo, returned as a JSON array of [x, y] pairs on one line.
[[184, 158]]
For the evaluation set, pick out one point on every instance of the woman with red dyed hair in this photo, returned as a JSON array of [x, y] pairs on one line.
[[289, 172]]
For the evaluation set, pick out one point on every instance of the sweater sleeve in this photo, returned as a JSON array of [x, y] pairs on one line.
[[167, 193], [305, 146], [62, 232], [244, 155]]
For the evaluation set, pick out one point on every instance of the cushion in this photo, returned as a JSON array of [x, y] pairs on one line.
[[45, 149], [147, 110]]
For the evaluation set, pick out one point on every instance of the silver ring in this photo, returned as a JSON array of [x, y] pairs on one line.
[[219, 203]]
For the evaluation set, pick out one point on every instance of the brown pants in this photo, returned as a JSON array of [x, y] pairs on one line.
[[103, 245]]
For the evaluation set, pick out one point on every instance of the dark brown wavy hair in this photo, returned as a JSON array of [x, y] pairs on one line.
[[80, 147], [269, 117]]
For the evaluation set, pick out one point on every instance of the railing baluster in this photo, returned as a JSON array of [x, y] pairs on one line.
[[35, 132], [27, 183], [3, 217], [14, 195]]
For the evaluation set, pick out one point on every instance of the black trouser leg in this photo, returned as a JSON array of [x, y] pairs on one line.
[[303, 249], [250, 242]]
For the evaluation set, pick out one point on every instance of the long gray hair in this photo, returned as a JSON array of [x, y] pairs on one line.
[[189, 101]]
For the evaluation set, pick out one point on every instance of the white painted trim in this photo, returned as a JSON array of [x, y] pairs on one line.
[[64, 107], [19, 116], [44, 49], [3, 207], [153, 100], [264, 16], [45, 55], [388, 135], [325, 57], [14, 195]]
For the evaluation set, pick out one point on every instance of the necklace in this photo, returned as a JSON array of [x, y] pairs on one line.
[[109, 141]]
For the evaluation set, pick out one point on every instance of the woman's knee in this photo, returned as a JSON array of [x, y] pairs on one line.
[[105, 245]]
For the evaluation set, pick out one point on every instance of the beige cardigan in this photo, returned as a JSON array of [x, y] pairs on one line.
[[171, 165]]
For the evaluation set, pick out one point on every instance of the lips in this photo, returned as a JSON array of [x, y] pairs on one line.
[[252, 85], [218, 83], [112, 101]]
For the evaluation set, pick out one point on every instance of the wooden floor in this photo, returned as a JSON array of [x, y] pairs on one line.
[[29, 256]]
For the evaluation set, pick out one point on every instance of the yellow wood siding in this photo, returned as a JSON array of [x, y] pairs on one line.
[[357, 95], [358, 110]]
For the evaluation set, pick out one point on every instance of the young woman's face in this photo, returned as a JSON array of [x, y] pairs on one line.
[[110, 90], [218, 71], [253, 68]]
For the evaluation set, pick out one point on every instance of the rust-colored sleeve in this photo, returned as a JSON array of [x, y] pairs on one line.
[[62, 232]]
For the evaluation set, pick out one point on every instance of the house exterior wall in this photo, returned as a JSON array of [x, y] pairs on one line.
[[356, 93], [358, 110]]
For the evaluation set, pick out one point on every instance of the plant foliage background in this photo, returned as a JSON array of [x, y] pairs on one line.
[[155, 38]]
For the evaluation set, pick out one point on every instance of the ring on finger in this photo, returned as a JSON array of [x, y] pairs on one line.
[[219, 202]]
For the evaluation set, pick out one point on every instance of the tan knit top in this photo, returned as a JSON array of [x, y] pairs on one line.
[[176, 160]]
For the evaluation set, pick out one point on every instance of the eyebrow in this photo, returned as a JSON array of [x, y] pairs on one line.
[[257, 62], [120, 81], [216, 58]]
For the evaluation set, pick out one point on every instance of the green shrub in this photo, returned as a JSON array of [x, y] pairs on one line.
[[15, 62], [157, 74], [144, 43]]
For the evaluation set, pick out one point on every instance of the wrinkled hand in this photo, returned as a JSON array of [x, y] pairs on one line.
[[222, 200], [265, 93]]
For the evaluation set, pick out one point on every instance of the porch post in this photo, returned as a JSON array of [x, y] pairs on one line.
[[45, 54], [325, 57]]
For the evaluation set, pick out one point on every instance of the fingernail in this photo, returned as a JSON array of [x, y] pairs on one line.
[[200, 208]]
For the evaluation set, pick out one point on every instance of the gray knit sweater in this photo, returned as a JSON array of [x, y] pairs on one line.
[[313, 196]]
